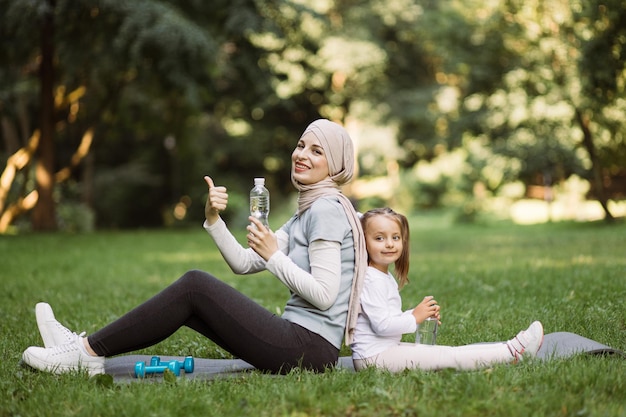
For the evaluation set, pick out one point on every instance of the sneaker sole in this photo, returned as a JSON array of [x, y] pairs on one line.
[[94, 369]]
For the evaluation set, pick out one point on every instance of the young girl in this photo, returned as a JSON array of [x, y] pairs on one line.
[[319, 255], [381, 322]]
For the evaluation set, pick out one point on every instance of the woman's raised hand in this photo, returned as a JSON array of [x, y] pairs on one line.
[[216, 201], [427, 308]]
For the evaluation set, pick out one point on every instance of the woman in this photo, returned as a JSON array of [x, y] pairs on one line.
[[316, 254]]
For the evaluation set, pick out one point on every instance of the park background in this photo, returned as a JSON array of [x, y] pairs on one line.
[[497, 126], [112, 112]]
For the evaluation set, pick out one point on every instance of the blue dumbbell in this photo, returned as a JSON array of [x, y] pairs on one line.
[[187, 364], [141, 369]]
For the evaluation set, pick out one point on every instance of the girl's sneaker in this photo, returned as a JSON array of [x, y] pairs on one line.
[[527, 342], [52, 332], [68, 357]]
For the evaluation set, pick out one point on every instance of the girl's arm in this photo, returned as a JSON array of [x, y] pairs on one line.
[[385, 321], [240, 260], [321, 286]]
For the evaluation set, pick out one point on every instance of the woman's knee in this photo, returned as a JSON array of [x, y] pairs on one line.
[[195, 278]]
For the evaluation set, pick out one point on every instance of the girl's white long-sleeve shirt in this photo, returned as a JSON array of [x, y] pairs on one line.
[[381, 322]]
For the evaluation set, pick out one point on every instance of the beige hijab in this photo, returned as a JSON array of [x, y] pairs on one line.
[[339, 151]]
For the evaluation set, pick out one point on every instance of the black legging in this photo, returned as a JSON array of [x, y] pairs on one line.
[[239, 325]]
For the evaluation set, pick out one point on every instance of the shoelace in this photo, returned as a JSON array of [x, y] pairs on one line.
[[69, 335], [516, 346], [65, 348]]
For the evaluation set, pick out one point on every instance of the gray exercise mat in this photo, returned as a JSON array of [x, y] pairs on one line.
[[565, 344], [555, 345]]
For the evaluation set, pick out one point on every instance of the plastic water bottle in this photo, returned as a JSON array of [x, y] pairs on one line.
[[260, 201], [427, 331]]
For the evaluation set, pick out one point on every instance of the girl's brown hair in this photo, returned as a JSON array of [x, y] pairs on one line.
[[401, 267]]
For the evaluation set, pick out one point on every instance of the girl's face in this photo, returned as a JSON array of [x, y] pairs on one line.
[[308, 161], [383, 238]]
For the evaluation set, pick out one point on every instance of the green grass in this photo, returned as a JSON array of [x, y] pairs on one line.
[[491, 280]]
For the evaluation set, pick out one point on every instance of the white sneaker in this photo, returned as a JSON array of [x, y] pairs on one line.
[[527, 342], [64, 358], [52, 332]]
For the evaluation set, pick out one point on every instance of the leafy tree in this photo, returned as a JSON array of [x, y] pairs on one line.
[[124, 106], [535, 81], [98, 61], [600, 34], [226, 85]]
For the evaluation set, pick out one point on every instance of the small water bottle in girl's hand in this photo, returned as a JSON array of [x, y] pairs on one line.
[[427, 331]]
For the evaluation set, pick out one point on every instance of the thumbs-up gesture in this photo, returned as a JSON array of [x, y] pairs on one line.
[[216, 201]]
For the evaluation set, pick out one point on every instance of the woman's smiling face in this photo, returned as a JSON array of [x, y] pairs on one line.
[[308, 161]]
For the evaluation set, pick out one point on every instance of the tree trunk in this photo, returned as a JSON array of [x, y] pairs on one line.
[[44, 217], [596, 168]]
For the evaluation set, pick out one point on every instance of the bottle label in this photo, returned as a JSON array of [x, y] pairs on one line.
[[259, 208]]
